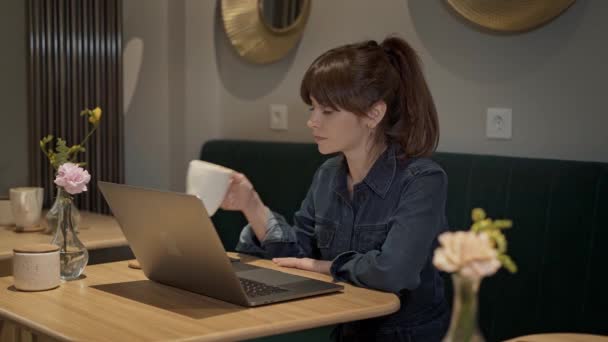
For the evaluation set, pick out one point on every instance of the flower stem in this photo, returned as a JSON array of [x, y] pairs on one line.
[[464, 312], [84, 142], [67, 217]]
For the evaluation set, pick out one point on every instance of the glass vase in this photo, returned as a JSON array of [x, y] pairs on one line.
[[73, 255], [52, 217], [463, 325]]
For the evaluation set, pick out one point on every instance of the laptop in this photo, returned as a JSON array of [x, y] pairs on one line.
[[176, 244]]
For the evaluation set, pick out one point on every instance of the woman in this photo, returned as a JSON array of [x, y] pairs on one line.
[[372, 214]]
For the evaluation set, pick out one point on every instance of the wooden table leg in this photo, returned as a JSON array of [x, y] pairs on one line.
[[8, 332], [13, 332]]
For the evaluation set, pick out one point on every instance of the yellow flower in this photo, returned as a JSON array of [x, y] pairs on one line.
[[478, 214], [95, 115]]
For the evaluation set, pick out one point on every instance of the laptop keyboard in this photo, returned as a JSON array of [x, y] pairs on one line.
[[256, 289]]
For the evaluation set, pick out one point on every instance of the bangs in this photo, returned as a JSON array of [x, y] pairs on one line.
[[331, 82], [354, 77]]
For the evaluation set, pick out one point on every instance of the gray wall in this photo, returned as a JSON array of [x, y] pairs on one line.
[[173, 108], [13, 96], [553, 78], [147, 118], [193, 86]]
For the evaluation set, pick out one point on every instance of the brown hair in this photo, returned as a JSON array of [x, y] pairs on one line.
[[356, 76]]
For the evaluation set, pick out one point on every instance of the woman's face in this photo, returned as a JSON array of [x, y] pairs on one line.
[[337, 131]]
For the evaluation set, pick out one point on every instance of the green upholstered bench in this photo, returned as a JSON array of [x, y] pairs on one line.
[[559, 239]]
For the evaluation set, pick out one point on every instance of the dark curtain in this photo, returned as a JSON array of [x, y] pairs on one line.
[[74, 62]]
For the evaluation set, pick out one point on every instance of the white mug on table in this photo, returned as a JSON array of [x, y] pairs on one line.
[[26, 205]]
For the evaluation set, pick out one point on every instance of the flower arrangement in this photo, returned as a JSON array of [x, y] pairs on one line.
[[476, 253], [62, 153], [68, 177], [71, 179], [470, 256]]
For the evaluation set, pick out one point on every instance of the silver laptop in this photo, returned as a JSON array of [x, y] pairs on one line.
[[176, 244]]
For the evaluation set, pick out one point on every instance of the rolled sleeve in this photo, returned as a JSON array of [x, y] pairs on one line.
[[249, 243], [283, 239], [414, 226]]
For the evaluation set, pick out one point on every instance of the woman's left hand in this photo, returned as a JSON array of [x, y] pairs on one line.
[[307, 264]]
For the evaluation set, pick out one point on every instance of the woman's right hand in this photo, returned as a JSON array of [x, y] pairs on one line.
[[240, 195]]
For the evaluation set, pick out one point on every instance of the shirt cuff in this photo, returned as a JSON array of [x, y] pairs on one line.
[[249, 243], [336, 270], [274, 231]]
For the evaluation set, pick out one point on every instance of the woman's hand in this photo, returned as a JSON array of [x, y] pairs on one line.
[[240, 195], [307, 264]]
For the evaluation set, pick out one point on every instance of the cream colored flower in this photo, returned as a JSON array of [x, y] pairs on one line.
[[480, 269], [471, 254]]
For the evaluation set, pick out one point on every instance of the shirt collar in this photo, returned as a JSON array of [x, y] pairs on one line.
[[379, 178]]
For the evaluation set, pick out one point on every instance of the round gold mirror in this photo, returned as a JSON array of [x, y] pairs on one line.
[[264, 31], [280, 15], [512, 15]]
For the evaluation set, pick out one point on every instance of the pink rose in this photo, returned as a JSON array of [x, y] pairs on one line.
[[72, 178]]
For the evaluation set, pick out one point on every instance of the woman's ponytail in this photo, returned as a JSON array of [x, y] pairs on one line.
[[414, 122]]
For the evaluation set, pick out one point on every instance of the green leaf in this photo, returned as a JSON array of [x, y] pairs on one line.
[[63, 151], [507, 263], [478, 214], [483, 225], [503, 224], [499, 239]]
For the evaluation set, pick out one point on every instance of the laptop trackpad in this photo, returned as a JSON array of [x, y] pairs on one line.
[[270, 277]]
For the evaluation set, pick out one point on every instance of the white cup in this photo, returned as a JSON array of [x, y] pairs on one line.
[[209, 182], [26, 203], [36, 267], [6, 213]]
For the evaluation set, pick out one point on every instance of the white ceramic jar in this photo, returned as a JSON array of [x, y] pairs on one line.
[[36, 267]]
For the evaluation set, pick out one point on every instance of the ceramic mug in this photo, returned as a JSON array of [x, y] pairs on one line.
[[209, 182], [26, 203]]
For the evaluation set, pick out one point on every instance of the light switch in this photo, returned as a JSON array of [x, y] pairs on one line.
[[498, 123], [278, 117]]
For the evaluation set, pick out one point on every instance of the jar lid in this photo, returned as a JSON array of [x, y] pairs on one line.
[[36, 248]]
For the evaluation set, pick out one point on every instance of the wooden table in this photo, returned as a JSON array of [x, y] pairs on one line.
[[95, 231], [560, 337], [117, 303]]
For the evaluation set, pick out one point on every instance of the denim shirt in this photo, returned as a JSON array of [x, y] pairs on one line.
[[383, 238]]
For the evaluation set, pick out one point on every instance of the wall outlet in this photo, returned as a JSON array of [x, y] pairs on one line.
[[498, 123], [278, 117]]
